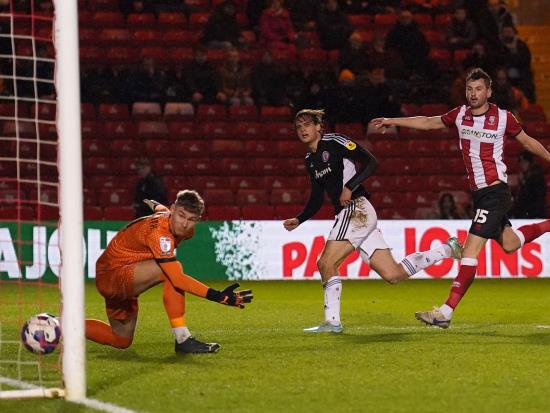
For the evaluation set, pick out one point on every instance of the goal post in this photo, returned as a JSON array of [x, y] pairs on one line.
[[67, 83]]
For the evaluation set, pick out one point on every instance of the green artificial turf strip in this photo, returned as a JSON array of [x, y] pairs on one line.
[[494, 358]]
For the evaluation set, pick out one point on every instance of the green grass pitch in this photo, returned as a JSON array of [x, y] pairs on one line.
[[494, 358]]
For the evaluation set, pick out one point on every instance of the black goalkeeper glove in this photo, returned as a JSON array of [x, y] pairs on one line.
[[151, 204], [230, 297]]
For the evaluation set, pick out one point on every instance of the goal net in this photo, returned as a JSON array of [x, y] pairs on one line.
[[40, 196]]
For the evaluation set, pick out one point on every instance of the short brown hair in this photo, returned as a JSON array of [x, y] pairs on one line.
[[191, 201], [316, 115], [479, 73]]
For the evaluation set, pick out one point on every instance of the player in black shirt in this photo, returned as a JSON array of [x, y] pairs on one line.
[[331, 164]]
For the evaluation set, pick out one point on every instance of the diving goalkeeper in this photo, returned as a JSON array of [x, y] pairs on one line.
[[141, 256]]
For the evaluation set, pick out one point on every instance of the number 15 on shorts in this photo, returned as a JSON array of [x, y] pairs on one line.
[[481, 216]]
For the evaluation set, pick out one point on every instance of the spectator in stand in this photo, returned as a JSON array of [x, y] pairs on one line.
[[530, 200], [177, 87], [457, 96], [276, 29], [296, 86], [149, 82], [202, 79], [479, 58], [461, 33], [448, 209], [236, 83], [380, 99], [409, 42], [222, 30], [333, 26], [303, 14], [516, 56], [345, 103], [149, 186], [355, 55], [490, 17], [390, 60], [269, 82], [505, 95]]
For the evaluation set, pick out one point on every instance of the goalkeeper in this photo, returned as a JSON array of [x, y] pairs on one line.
[[141, 256]]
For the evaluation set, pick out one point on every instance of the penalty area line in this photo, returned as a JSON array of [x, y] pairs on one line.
[[29, 390]]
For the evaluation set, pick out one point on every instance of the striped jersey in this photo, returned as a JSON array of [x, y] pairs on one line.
[[482, 139], [332, 166]]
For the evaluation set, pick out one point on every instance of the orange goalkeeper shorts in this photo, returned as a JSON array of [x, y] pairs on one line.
[[117, 287]]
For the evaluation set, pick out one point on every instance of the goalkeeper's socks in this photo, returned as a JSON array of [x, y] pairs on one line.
[[333, 292], [417, 261], [181, 334], [102, 333]]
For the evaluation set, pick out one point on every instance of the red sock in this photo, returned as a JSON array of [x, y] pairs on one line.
[[174, 304], [533, 231], [102, 333], [462, 282]]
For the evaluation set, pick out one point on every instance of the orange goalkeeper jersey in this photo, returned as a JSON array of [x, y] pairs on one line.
[[147, 238]]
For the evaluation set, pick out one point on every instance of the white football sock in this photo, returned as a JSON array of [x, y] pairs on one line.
[[446, 311], [417, 261], [333, 292], [181, 334]]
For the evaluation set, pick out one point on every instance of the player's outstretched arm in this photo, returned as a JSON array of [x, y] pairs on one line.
[[230, 297], [415, 122], [291, 223], [533, 146], [155, 206]]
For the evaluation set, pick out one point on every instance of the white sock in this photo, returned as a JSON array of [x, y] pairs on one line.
[[417, 261], [333, 292], [446, 311], [181, 334]]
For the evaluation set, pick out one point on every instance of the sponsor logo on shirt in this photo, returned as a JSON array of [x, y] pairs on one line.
[[479, 134], [165, 245], [350, 145], [320, 174]]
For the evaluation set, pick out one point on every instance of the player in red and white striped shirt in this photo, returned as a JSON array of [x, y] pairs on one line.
[[483, 128]]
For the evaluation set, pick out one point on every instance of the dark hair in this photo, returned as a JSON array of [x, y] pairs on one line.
[[190, 200], [479, 73], [316, 115]]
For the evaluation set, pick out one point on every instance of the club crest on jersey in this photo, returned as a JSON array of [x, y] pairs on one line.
[[165, 245], [350, 145], [325, 156], [492, 120]]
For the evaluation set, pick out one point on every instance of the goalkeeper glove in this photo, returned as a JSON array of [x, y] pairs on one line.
[[230, 297], [151, 204]]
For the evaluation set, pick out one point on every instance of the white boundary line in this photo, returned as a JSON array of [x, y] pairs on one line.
[[43, 392]]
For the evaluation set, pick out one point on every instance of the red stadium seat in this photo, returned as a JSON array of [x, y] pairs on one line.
[[158, 54], [152, 130], [141, 20], [287, 182], [87, 111], [326, 212], [90, 197], [113, 111], [361, 21], [246, 182], [227, 147], [159, 148], [8, 109], [97, 166], [262, 148], [118, 213], [423, 20], [191, 149], [198, 20], [180, 55], [269, 113], [433, 109], [91, 129], [411, 183], [243, 112], [120, 130], [391, 147], [218, 130], [447, 182], [177, 183], [115, 196], [178, 111], [442, 21], [146, 111], [114, 37], [47, 213], [312, 58], [218, 197], [386, 199], [181, 38], [287, 211], [20, 213], [280, 130], [179, 166], [383, 183], [258, 212], [269, 166], [211, 182], [146, 37], [533, 113], [538, 129], [235, 166], [354, 131], [442, 57], [222, 213], [93, 213], [211, 112], [422, 147], [435, 38], [250, 130], [108, 19], [409, 109], [294, 167], [251, 196], [121, 55], [286, 196], [460, 55], [169, 20], [126, 147], [290, 149], [383, 22], [184, 130], [95, 148]]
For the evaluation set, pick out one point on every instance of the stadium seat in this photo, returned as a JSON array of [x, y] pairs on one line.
[[538, 129], [286, 196], [218, 130], [290, 149], [442, 57], [258, 212], [25, 129], [158, 54], [115, 196], [442, 21], [281, 130], [287, 182], [235, 166], [422, 147], [433, 109], [250, 130], [8, 109], [423, 20], [391, 147], [180, 55], [135, 20], [181, 38], [177, 166], [212, 182], [119, 130], [294, 167], [96, 166], [108, 19], [312, 58], [285, 211], [274, 113], [409, 183], [383, 22], [177, 183], [459, 56], [113, 111], [191, 149], [146, 111], [409, 109], [263, 148], [198, 20], [211, 112], [172, 20], [243, 112], [120, 56], [91, 129], [435, 38], [159, 148], [127, 147], [246, 182], [268, 166], [386, 199], [118, 213], [93, 213], [89, 196], [251, 196], [11, 196], [87, 111], [184, 130], [95, 148], [178, 111], [152, 130], [218, 197], [533, 113], [223, 213], [361, 21], [47, 213], [226, 147], [114, 37]]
